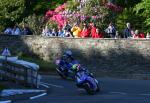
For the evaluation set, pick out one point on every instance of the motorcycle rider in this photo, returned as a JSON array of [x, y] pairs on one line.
[[67, 59], [82, 73], [67, 56], [79, 71]]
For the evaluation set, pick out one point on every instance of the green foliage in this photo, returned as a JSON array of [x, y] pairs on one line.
[[72, 5], [2, 87], [1, 28], [143, 9], [94, 8], [52, 24], [11, 11], [35, 22], [14, 11], [126, 3], [128, 15], [39, 7]]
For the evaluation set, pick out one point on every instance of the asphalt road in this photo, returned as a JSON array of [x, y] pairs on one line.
[[113, 91]]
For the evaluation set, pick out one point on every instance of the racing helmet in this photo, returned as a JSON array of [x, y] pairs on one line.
[[76, 67]]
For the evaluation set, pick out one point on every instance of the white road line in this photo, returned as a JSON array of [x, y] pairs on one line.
[[8, 101], [122, 93], [81, 89], [34, 97], [52, 76], [145, 94], [44, 85], [58, 86]]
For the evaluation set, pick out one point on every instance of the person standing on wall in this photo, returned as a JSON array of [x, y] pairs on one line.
[[111, 31], [127, 33]]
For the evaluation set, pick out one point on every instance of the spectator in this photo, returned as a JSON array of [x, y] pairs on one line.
[[85, 32], [97, 34], [148, 35], [61, 33], [111, 31], [93, 30], [67, 33], [141, 35], [127, 31], [26, 30], [136, 34], [46, 31], [54, 32], [67, 27], [76, 31], [16, 30], [8, 31]]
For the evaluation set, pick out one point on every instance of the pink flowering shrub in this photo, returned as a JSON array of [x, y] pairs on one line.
[[60, 8], [59, 19], [114, 7], [56, 15], [87, 11], [50, 13]]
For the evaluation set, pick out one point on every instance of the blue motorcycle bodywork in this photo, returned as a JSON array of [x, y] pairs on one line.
[[66, 68], [83, 77]]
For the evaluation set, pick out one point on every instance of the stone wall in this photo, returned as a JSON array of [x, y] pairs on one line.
[[106, 57]]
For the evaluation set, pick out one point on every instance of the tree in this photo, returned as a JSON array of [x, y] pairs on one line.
[[126, 3], [143, 9], [39, 7], [11, 11], [128, 15]]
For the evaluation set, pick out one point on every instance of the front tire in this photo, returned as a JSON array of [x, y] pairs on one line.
[[98, 88], [88, 89], [60, 74]]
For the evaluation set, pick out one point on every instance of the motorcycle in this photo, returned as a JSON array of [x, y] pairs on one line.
[[87, 81], [64, 69]]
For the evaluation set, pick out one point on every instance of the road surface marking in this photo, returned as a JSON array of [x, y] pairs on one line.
[[34, 97], [122, 93], [51, 76], [58, 86], [8, 101], [44, 85], [145, 94], [81, 89], [9, 92]]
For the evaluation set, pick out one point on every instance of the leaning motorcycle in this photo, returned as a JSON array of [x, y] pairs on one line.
[[87, 81], [64, 69]]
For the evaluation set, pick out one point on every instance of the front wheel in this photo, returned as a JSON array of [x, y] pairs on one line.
[[88, 89], [98, 88], [61, 74]]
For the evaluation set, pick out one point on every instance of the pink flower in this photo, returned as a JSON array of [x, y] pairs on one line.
[[94, 17], [60, 8], [113, 7], [59, 19], [50, 13]]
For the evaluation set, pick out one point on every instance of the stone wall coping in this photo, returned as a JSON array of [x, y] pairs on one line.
[[26, 36]]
